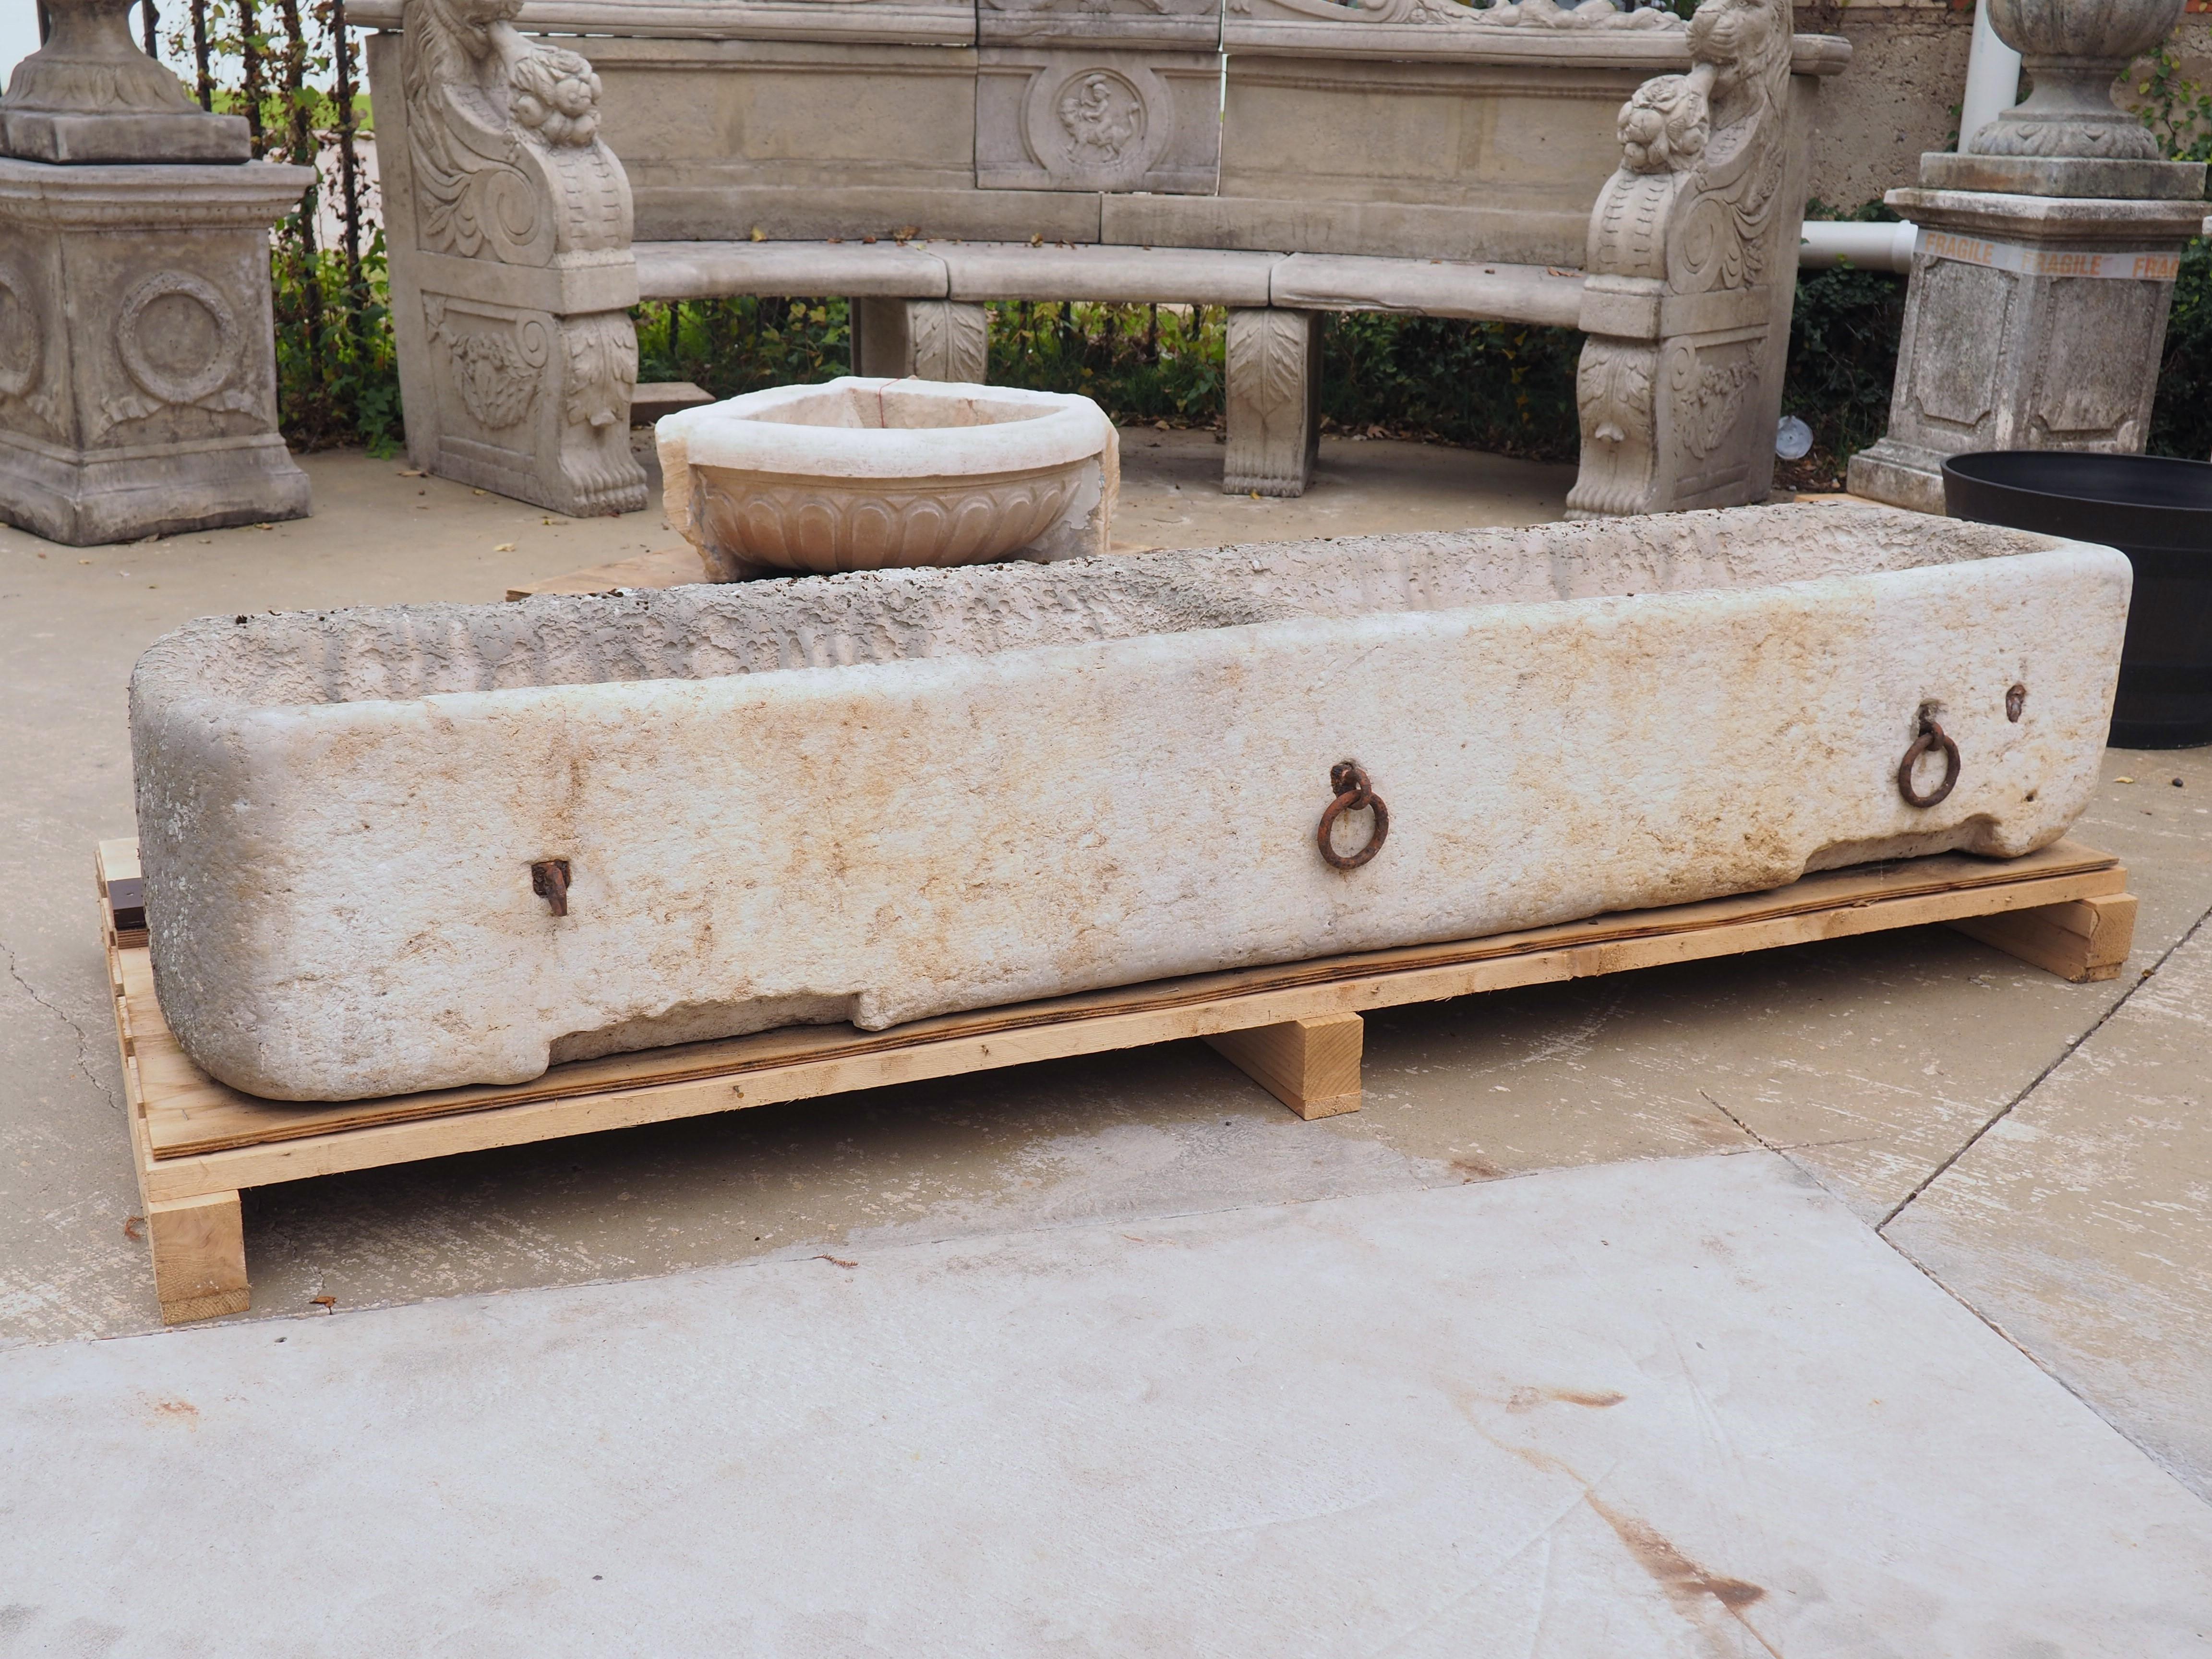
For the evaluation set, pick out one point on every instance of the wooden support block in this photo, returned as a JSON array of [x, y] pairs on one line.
[[199, 1256], [1311, 1065], [2085, 939]]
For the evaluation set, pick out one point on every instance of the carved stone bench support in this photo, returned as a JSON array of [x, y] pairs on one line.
[[1692, 265], [508, 223], [930, 339], [1273, 396]]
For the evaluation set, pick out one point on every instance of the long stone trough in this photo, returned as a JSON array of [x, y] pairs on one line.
[[397, 849]]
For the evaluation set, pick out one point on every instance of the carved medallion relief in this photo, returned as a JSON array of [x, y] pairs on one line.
[[1097, 120], [178, 337], [181, 345], [1101, 119]]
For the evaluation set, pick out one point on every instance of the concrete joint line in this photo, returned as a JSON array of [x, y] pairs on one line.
[[2035, 1083]]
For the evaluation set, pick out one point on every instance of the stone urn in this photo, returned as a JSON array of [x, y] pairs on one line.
[[2075, 50], [89, 94], [868, 474]]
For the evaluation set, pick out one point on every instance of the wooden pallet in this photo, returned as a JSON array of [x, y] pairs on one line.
[[1294, 1028]]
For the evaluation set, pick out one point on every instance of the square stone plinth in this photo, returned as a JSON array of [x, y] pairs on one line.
[[2032, 322], [137, 368]]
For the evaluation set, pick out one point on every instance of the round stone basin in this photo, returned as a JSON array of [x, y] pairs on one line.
[[864, 474]]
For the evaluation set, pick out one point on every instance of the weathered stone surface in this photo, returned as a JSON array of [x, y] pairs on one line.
[[1997, 358], [2063, 175], [1430, 287], [866, 474], [859, 22], [1192, 25], [882, 796], [137, 372], [797, 139]]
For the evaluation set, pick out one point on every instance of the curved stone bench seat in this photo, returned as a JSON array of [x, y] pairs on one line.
[[981, 272]]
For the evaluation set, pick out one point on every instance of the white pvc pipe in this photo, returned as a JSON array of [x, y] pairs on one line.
[[1828, 243], [1992, 79]]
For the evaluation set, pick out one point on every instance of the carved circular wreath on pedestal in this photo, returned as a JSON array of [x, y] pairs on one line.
[[167, 351], [21, 354]]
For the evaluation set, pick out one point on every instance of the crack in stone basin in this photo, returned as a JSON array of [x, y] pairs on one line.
[[880, 796], [866, 474]]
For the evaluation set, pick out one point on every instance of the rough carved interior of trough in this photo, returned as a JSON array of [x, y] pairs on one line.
[[874, 616]]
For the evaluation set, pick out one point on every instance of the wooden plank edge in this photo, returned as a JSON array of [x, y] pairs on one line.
[[1048, 1035], [374, 1144]]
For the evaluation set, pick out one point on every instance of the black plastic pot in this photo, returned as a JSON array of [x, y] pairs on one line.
[[2156, 511]]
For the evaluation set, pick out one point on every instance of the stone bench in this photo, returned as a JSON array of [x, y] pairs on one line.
[[1284, 158], [918, 309]]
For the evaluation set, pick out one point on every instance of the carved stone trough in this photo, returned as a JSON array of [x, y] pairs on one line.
[[870, 474], [397, 849]]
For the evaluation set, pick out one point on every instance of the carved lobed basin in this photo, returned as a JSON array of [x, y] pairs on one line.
[[876, 797], [863, 474]]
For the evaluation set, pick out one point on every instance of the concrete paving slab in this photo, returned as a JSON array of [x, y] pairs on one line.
[[2080, 1223], [1690, 1408]]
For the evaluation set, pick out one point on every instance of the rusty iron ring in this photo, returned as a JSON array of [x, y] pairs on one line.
[[1930, 736], [1353, 792]]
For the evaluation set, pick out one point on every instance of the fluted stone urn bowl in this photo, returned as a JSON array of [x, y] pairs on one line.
[[865, 474], [2075, 50]]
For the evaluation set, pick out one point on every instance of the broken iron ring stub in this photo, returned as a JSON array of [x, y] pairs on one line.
[[549, 879], [1931, 737], [1353, 792]]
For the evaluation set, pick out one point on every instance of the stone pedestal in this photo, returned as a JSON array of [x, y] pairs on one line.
[[137, 357], [2032, 322], [138, 374], [2048, 252]]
